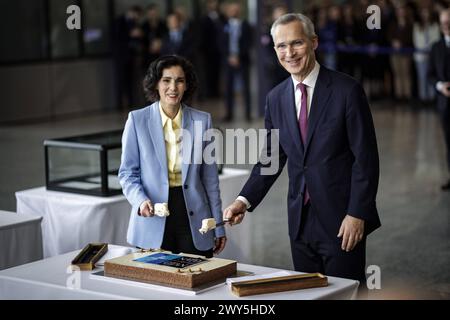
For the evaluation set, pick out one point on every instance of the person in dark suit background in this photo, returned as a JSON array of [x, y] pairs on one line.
[[439, 77], [154, 30], [211, 33], [273, 72], [236, 51], [327, 137], [127, 52], [179, 39]]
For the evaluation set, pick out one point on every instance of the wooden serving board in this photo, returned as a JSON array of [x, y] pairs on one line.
[[279, 284]]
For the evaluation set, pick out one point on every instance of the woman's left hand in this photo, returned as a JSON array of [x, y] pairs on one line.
[[219, 244]]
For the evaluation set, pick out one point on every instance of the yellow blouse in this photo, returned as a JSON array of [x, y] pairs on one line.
[[173, 138]]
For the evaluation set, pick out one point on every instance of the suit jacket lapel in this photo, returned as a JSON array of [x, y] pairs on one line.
[[288, 105], [319, 102], [187, 143], [157, 135], [442, 61]]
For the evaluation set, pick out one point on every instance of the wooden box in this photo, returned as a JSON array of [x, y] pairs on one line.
[[90, 254], [278, 284], [196, 272]]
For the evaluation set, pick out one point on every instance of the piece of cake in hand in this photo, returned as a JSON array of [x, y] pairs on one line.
[[162, 209], [207, 224]]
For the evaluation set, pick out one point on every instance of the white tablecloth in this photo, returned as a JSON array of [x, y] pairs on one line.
[[20, 239], [70, 221], [50, 279]]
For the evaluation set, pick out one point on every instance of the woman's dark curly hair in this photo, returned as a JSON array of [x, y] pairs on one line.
[[155, 72]]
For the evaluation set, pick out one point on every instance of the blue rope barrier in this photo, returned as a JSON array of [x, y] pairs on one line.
[[371, 50]]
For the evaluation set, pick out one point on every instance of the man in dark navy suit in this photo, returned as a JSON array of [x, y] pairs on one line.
[[327, 138], [439, 76], [179, 39]]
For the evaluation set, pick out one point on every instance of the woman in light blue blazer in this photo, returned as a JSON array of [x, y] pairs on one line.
[[162, 163]]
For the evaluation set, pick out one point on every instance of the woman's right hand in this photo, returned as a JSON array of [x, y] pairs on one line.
[[146, 209]]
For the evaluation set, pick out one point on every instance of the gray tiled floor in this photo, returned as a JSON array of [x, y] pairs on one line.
[[413, 246]]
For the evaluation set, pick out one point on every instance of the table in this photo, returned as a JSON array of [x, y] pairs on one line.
[[20, 239], [50, 278], [70, 220]]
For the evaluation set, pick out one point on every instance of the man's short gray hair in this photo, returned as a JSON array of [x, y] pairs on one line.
[[444, 12], [308, 26]]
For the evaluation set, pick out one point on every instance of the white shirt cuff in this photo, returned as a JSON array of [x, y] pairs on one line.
[[244, 200], [439, 86]]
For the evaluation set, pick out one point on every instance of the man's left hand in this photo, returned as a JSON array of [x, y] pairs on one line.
[[233, 61], [219, 244], [351, 231]]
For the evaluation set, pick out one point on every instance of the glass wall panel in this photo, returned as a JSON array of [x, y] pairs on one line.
[[96, 26], [23, 30], [64, 43]]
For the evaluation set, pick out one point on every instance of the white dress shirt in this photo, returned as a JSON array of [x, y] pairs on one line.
[[310, 82], [235, 33]]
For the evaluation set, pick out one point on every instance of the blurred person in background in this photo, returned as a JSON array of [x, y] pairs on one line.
[[373, 62], [236, 44], [400, 37], [328, 33], [211, 33], [185, 21], [273, 71], [128, 57], [348, 33], [439, 77], [179, 40], [439, 5], [154, 30], [425, 33]]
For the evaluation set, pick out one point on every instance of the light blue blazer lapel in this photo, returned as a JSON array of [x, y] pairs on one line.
[[187, 144], [157, 134]]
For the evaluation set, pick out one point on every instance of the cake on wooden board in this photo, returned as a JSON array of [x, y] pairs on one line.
[[179, 270]]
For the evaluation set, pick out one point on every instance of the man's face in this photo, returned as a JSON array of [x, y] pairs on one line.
[[445, 23], [212, 5], [133, 15], [295, 51], [152, 14], [234, 10], [173, 22]]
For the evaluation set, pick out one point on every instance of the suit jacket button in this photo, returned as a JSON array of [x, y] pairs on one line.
[[186, 186], [305, 168], [191, 213]]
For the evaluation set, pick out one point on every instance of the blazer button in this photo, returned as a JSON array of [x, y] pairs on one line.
[[186, 186], [305, 168], [191, 213]]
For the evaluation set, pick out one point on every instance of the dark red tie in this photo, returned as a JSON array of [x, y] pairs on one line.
[[303, 123]]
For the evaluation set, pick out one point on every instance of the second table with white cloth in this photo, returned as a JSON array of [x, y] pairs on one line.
[[70, 221]]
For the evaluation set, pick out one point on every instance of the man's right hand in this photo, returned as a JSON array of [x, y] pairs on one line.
[[445, 90], [146, 209], [235, 212]]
